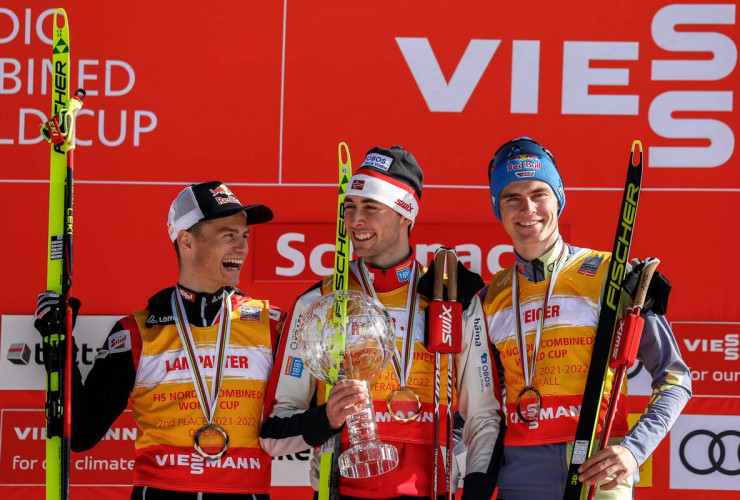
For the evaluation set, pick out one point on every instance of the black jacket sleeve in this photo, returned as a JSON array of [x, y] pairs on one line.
[[98, 402]]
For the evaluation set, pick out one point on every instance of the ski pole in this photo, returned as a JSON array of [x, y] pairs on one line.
[[445, 327], [439, 269], [456, 348], [624, 350]]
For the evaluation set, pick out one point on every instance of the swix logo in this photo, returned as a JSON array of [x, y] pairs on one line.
[[728, 346], [190, 297], [527, 173], [19, 353], [446, 318], [406, 206], [618, 339], [358, 184]]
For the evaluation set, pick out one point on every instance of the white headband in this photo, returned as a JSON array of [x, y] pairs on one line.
[[386, 192]]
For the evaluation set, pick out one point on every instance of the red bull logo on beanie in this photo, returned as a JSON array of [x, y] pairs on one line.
[[524, 161]]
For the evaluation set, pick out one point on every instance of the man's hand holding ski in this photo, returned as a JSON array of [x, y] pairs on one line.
[[611, 460]]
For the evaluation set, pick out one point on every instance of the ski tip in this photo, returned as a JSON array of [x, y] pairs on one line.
[[636, 162], [343, 151], [60, 18]]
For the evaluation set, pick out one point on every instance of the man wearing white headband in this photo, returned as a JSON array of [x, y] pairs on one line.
[[380, 208], [194, 363]]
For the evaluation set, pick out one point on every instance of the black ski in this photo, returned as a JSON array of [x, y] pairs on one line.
[[597, 371]]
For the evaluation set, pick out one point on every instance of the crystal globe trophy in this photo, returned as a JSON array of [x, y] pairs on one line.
[[349, 335]]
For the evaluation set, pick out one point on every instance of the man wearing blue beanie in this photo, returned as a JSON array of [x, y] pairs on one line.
[[546, 306]]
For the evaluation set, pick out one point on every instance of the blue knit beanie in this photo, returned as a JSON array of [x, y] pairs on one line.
[[519, 160]]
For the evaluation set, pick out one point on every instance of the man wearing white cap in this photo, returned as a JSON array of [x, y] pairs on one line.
[[549, 301], [195, 363], [380, 208]]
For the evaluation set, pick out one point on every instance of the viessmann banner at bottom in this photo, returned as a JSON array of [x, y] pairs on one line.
[[701, 453]]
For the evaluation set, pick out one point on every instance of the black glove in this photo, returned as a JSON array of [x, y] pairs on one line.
[[658, 290], [468, 284], [50, 312]]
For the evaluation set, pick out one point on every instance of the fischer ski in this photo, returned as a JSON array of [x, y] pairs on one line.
[[329, 466], [57, 347], [624, 349], [597, 372]]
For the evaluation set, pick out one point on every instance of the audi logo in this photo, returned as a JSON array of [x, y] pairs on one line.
[[716, 452]]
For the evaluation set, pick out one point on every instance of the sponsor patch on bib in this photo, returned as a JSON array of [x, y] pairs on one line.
[[403, 272], [590, 266], [249, 313], [294, 367], [119, 342]]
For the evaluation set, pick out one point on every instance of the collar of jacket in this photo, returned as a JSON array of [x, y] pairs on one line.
[[392, 278], [541, 268], [202, 308]]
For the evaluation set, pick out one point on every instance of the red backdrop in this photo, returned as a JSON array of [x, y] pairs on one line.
[[258, 94]]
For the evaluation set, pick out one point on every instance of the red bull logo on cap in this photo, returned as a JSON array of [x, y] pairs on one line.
[[223, 195], [222, 190]]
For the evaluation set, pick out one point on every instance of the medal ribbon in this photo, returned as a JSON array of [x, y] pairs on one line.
[[521, 342], [208, 405], [401, 364]]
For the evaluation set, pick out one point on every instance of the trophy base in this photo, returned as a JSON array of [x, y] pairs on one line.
[[367, 461]]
